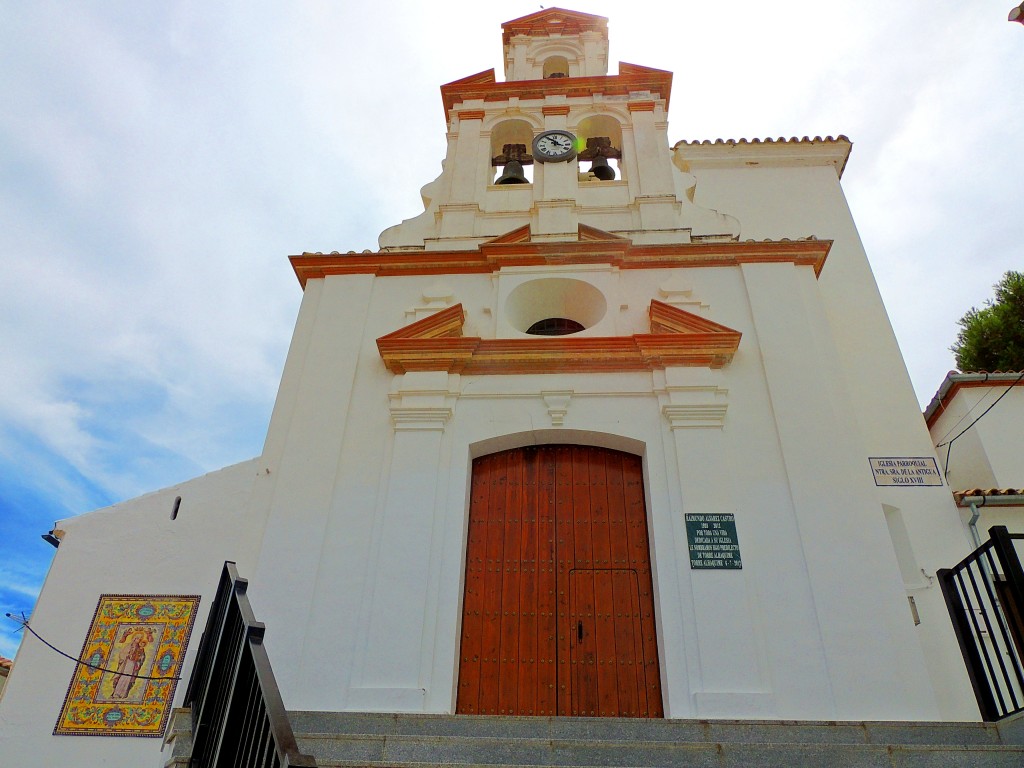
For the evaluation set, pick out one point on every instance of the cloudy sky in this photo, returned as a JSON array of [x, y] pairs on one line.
[[160, 160]]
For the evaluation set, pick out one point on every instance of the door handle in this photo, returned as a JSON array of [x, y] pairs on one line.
[[579, 631]]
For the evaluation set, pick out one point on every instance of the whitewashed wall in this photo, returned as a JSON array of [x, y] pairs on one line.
[[989, 454], [787, 198], [363, 557], [130, 548]]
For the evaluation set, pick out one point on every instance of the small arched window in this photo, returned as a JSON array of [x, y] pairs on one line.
[[555, 326]]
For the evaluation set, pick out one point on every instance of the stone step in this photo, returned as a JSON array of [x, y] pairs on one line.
[[635, 729], [351, 739]]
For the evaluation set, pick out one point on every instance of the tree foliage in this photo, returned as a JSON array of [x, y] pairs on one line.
[[992, 338]]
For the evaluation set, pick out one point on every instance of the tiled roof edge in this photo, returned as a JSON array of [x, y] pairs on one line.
[[961, 495], [739, 153], [954, 378], [769, 140]]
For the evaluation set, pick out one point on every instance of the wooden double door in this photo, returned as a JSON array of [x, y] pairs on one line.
[[558, 613]]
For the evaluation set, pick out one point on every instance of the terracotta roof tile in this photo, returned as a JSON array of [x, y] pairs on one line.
[[780, 140], [5, 663], [780, 152], [960, 495]]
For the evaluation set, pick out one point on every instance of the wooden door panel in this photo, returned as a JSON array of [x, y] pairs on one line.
[[561, 457], [547, 651], [557, 545], [607, 655], [527, 668], [628, 631], [508, 564]]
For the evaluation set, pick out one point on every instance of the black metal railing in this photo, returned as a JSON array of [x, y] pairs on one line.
[[985, 597], [238, 717]]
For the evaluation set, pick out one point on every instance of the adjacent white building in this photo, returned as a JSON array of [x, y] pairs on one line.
[[721, 358], [977, 423]]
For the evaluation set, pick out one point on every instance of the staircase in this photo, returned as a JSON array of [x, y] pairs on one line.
[[235, 717], [418, 741]]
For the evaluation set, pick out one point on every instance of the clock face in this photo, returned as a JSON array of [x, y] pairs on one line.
[[554, 146]]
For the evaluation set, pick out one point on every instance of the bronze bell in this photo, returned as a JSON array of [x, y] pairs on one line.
[[512, 173], [601, 169]]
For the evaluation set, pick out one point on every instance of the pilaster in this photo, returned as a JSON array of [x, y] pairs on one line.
[[851, 569], [652, 153], [392, 672], [728, 662]]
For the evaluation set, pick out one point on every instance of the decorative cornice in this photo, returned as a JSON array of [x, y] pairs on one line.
[[640, 106], [555, 109], [699, 416], [470, 114], [677, 339], [744, 153], [406, 419], [592, 246], [631, 78]]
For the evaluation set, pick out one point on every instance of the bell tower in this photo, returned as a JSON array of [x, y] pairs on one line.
[[555, 43], [560, 143]]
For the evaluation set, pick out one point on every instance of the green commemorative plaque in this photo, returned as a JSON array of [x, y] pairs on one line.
[[712, 540]]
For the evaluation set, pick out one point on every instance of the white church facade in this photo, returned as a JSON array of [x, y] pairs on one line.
[[632, 420]]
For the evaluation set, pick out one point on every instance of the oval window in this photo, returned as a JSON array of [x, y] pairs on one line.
[[554, 306]]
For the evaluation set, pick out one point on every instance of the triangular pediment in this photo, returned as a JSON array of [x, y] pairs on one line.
[[554, 20], [480, 78], [668, 319], [626, 68], [677, 338], [519, 235], [441, 325], [584, 233], [593, 234]]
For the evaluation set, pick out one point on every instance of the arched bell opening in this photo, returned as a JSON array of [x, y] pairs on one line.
[[510, 152], [555, 66], [601, 139]]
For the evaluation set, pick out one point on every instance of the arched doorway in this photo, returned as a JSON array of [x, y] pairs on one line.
[[558, 614]]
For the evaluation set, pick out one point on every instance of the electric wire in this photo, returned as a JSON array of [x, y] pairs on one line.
[[950, 443], [24, 623], [961, 420]]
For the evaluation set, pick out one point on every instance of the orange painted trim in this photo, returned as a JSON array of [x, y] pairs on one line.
[[555, 109], [483, 86], [417, 347], [641, 106], [617, 251], [470, 114]]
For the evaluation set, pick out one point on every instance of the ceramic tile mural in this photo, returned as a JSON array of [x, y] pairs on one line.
[[133, 652]]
